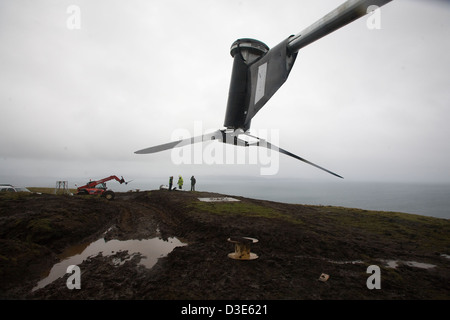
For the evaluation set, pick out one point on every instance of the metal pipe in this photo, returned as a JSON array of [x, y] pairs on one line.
[[339, 17]]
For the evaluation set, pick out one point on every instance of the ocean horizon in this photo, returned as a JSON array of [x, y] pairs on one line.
[[428, 199]]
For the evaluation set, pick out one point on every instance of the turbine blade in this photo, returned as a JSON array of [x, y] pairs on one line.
[[280, 150], [181, 143]]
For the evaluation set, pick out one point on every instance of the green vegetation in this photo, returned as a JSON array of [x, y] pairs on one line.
[[14, 196], [427, 232], [47, 190], [417, 232], [242, 208], [25, 195], [40, 230]]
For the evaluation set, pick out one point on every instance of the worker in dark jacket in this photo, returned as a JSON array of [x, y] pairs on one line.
[[193, 181], [170, 183]]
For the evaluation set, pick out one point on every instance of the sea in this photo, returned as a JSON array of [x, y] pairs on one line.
[[428, 199]]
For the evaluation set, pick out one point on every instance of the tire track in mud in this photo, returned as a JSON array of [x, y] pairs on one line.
[[134, 221]]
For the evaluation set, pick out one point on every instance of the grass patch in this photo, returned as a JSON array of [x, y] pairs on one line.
[[242, 209], [40, 225], [14, 196], [48, 190], [39, 230], [427, 232]]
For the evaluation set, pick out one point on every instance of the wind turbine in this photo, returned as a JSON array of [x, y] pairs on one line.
[[258, 72]]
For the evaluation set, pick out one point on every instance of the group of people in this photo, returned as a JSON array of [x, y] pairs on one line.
[[180, 183]]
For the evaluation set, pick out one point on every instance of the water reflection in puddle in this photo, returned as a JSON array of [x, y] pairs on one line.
[[150, 249], [395, 263]]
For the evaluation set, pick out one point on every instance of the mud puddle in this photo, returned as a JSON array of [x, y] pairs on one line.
[[151, 250], [395, 263]]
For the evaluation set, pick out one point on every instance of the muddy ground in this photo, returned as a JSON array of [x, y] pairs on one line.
[[297, 243]]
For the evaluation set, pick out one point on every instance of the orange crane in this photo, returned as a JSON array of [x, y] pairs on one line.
[[98, 187]]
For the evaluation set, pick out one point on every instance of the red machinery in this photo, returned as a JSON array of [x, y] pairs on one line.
[[98, 187]]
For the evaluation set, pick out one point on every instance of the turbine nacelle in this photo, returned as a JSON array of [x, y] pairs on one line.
[[258, 72]]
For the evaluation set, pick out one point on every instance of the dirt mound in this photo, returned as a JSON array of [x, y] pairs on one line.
[[296, 245]]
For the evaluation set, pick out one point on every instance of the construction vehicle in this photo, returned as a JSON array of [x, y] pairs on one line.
[[98, 187]]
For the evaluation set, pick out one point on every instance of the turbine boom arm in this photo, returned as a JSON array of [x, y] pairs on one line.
[[339, 17]]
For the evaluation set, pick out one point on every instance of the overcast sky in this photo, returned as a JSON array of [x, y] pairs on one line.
[[79, 96]]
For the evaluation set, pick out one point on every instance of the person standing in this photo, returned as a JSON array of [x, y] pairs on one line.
[[180, 182], [170, 183], [193, 181]]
